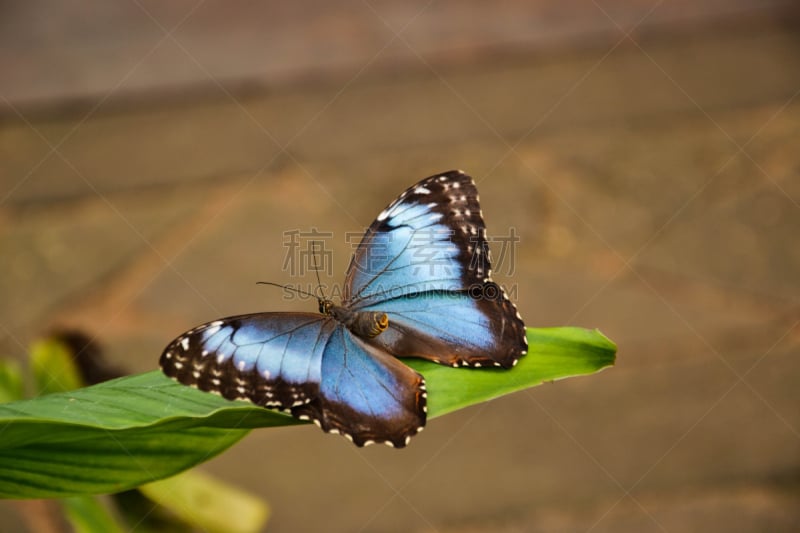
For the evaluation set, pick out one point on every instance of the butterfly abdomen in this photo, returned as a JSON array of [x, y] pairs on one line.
[[364, 324]]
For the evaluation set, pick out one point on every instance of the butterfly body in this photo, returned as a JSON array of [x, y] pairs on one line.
[[419, 285], [365, 324]]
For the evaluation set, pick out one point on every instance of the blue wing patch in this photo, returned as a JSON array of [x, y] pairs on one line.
[[272, 359], [478, 328], [431, 238], [367, 395]]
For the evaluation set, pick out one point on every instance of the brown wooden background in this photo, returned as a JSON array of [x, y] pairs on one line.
[[152, 157]]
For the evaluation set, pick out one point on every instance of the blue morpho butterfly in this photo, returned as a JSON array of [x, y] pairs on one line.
[[418, 285]]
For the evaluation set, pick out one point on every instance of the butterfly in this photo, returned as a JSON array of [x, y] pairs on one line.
[[418, 285]]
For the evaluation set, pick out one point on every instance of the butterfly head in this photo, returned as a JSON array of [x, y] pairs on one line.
[[325, 306]]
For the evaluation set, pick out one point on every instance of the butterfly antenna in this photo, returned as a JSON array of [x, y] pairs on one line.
[[316, 270], [288, 288]]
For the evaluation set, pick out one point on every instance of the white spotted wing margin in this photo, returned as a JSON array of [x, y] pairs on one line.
[[308, 365]]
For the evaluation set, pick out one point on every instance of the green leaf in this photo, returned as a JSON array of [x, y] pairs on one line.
[[87, 515], [53, 367], [209, 504], [115, 436], [11, 388], [129, 431], [553, 353]]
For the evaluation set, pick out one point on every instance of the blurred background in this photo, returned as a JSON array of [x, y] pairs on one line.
[[153, 156]]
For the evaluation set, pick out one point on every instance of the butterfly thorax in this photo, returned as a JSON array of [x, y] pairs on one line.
[[364, 324]]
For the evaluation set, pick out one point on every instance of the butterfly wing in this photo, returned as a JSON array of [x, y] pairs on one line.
[[366, 394], [477, 328], [432, 237], [306, 364], [425, 262], [272, 359]]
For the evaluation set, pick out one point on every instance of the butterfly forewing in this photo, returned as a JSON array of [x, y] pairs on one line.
[[432, 237], [272, 359]]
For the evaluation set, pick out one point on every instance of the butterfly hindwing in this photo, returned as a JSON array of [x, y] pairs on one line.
[[479, 327], [366, 394]]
